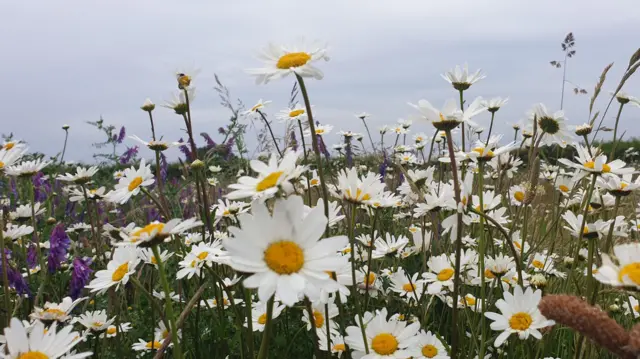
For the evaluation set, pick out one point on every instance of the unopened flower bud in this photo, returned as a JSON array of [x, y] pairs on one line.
[[197, 165], [51, 220], [583, 130], [148, 105], [538, 280], [65, 127]]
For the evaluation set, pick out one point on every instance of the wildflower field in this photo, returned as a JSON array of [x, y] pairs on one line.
[[435, 237]]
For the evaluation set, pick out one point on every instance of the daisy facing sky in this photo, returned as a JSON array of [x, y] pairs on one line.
[[281, 61]]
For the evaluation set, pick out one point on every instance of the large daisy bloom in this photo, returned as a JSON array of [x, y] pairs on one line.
[[519, 314], [9, 157], [627, 272], [283, 251], [82, 175], [131, 182], [124, 263], [280, 61], [40, 343], [26, 168], [386, 339], [271, 177]]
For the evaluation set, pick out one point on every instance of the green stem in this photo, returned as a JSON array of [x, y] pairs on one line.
[[493, 115], [481, 254], [168, 303], [266, 335], [264, 118], [615, 133], [5, 278]]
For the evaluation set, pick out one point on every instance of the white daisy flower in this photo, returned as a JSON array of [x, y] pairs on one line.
[[281, 61], [144, 346], [13, 232], [41, 342], [440, 275], [633, 306], [283, 252], [76, 194], [321, 130], [24, 212], [228, 209], [585, 163], [8, 158], [519, 314], [258, 107], [386, 339], [147, 256], [120, 267], [389, 246], [60, 312], [131, 183], [156, 145], [296, 113], [461, 79], [157, 232], [272, 177], [112, 331], [259, 315], [626, 272], [82, 175], [26, 168], [95, 321], [409, 288], [201, 254], [320, 316], [356, 190]]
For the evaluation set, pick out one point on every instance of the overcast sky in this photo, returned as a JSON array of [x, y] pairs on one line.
[[72, 61]]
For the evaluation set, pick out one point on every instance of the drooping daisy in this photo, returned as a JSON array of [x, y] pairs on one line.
[[281, 61], [156, 232], [589, 231], [519, 314], [354, 189], [95, 321], [13, 232], [228, 209], [391, 245], [257, 108], [283, 252], [24, 212], [618, 186], [77, 194], [131, 183], [40, 342], [553, 125], [120, 267], [259, 315], [156, 145], [461, 79], [494, 104], [59, 312], [386, 339], [82, 175], [272, 177], [26, 168]]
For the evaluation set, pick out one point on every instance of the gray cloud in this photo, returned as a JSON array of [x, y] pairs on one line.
[[71, 62]]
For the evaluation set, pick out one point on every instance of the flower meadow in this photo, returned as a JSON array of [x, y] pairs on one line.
[[434, 237]]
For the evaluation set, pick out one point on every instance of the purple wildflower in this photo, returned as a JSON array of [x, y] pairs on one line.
[[80, 276], [210, 143], [128, 155], [222, 131], [383, 166], [16, 280], [185, 150], [32, 259], [59, 245], [322, 147], [294, 141], [41, 187], [121, 135]]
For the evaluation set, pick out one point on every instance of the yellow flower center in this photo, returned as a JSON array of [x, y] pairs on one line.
[[98, 324], [517, 244], [148, 230], [471, 301], [636, 308], [293, 59], [319, 131], [441, 117], [384, 344], [631, 271], [153, 345], [519, 196], [370, 280], [135, 183], [445, 274], [429, 351], [563, 188], [55, 311], [339, 347], [318, 318], [409, 287], [520, 321], [111, 330], [314, 181], [489, 274], [591, 165], [623, 185], [536, 263], [9, 145], [284, 257], [184, 80], [154, 260], [256, 107], [202, 256], [296, 113], [33, 355], [165, 334], [358, 197], [119, 273], [262, 319], [1, 165], [269, 182]]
